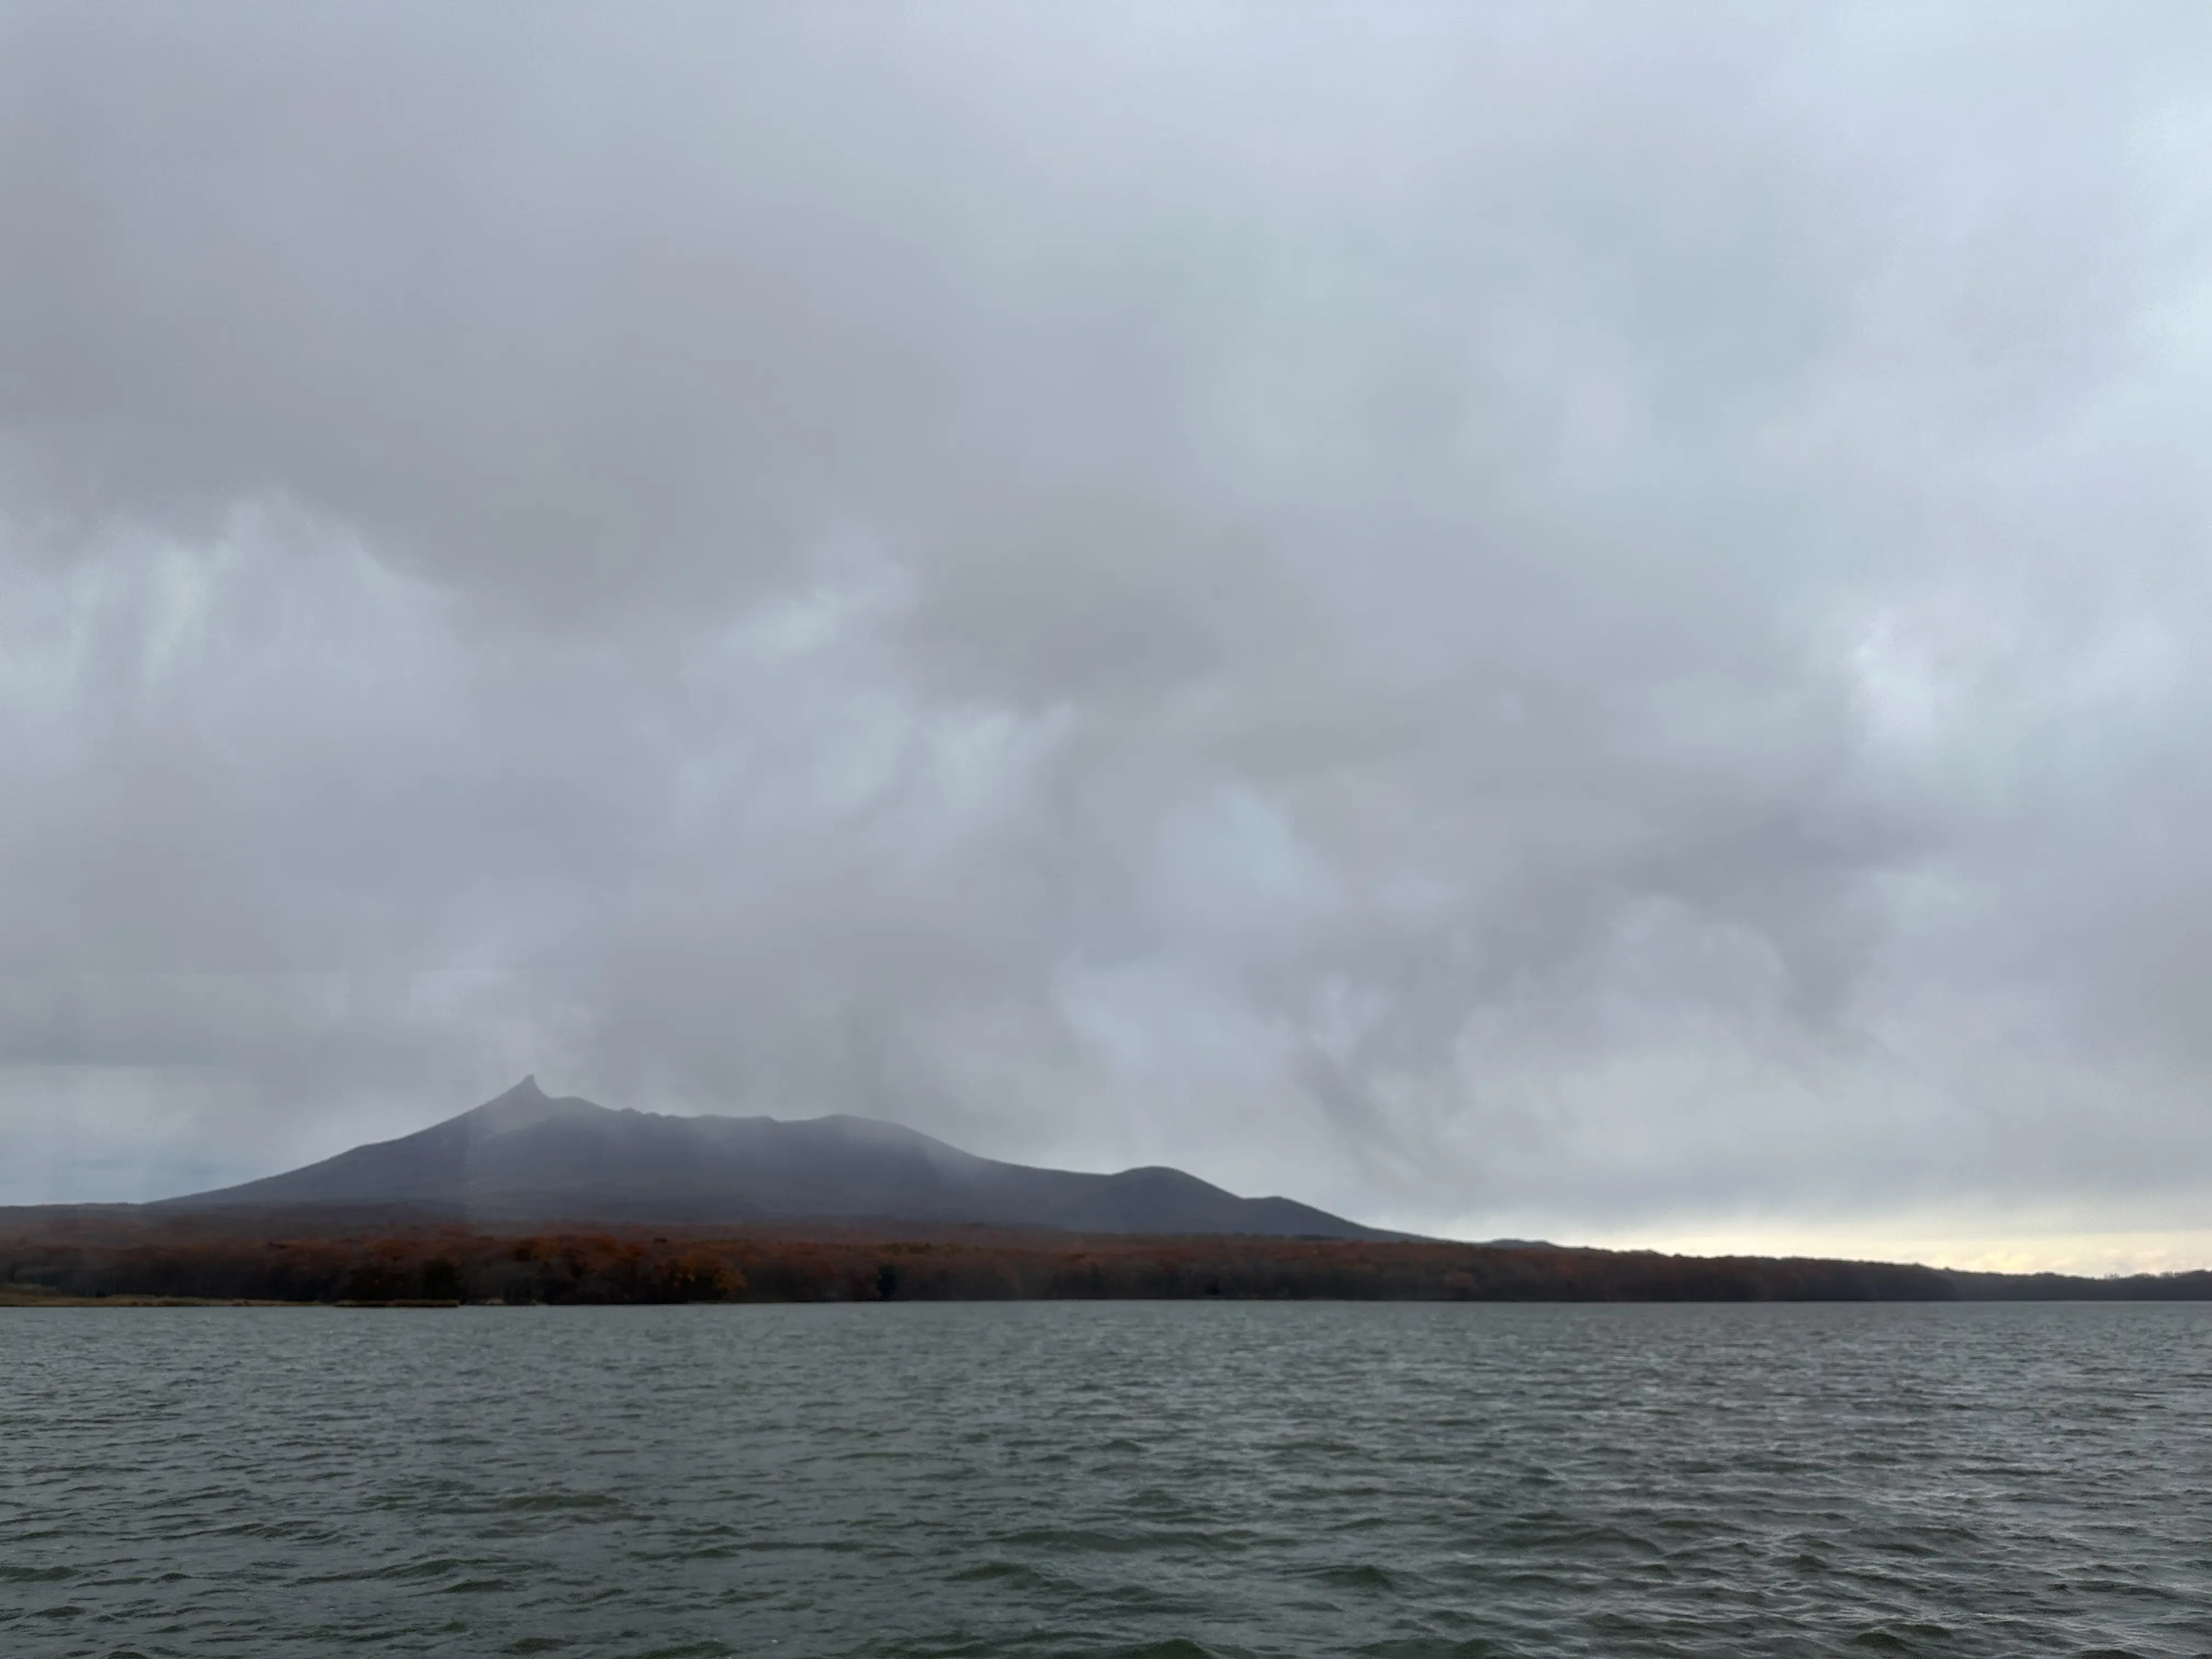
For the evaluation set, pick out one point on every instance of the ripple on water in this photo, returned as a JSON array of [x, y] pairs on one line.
[[1167, 1479]]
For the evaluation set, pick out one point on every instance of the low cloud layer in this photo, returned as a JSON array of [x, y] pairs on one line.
[[1542, 619]]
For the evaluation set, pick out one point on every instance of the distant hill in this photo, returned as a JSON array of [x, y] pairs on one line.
[[527, 1155]]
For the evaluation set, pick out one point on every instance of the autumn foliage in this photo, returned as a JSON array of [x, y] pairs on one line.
[[96, 1257]]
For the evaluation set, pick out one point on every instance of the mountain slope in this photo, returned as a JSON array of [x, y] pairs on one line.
[[529, 1155]]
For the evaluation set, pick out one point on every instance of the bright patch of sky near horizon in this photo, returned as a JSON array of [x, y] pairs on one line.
[[1554, 620]]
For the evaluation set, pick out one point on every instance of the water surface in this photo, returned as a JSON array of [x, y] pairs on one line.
[[1170, 1479]]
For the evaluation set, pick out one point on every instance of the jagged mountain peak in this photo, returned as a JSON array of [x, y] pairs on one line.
[[528, 1155]]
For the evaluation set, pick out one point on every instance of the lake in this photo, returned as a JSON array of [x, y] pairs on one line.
[[1160, 1478]]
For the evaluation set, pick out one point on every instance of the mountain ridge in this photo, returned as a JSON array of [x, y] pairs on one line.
[[525, 1155]]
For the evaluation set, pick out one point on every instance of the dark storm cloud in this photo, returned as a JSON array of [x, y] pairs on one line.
[[1580, 617]]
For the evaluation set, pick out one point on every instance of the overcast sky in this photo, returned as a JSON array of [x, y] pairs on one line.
[[1516, 619]]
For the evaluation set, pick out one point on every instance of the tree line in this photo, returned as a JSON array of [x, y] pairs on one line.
[[455, 1264]]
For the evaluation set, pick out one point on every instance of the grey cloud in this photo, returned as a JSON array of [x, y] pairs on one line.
[[1544, 615]]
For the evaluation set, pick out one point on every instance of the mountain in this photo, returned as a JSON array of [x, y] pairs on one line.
[[527, 1155]]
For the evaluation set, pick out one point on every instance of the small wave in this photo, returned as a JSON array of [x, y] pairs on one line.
[[1364, 1576], [1004, 1572], [549, 1501], [14, 1575]]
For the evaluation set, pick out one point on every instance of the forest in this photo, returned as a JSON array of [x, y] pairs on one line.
[[80, 1256]]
